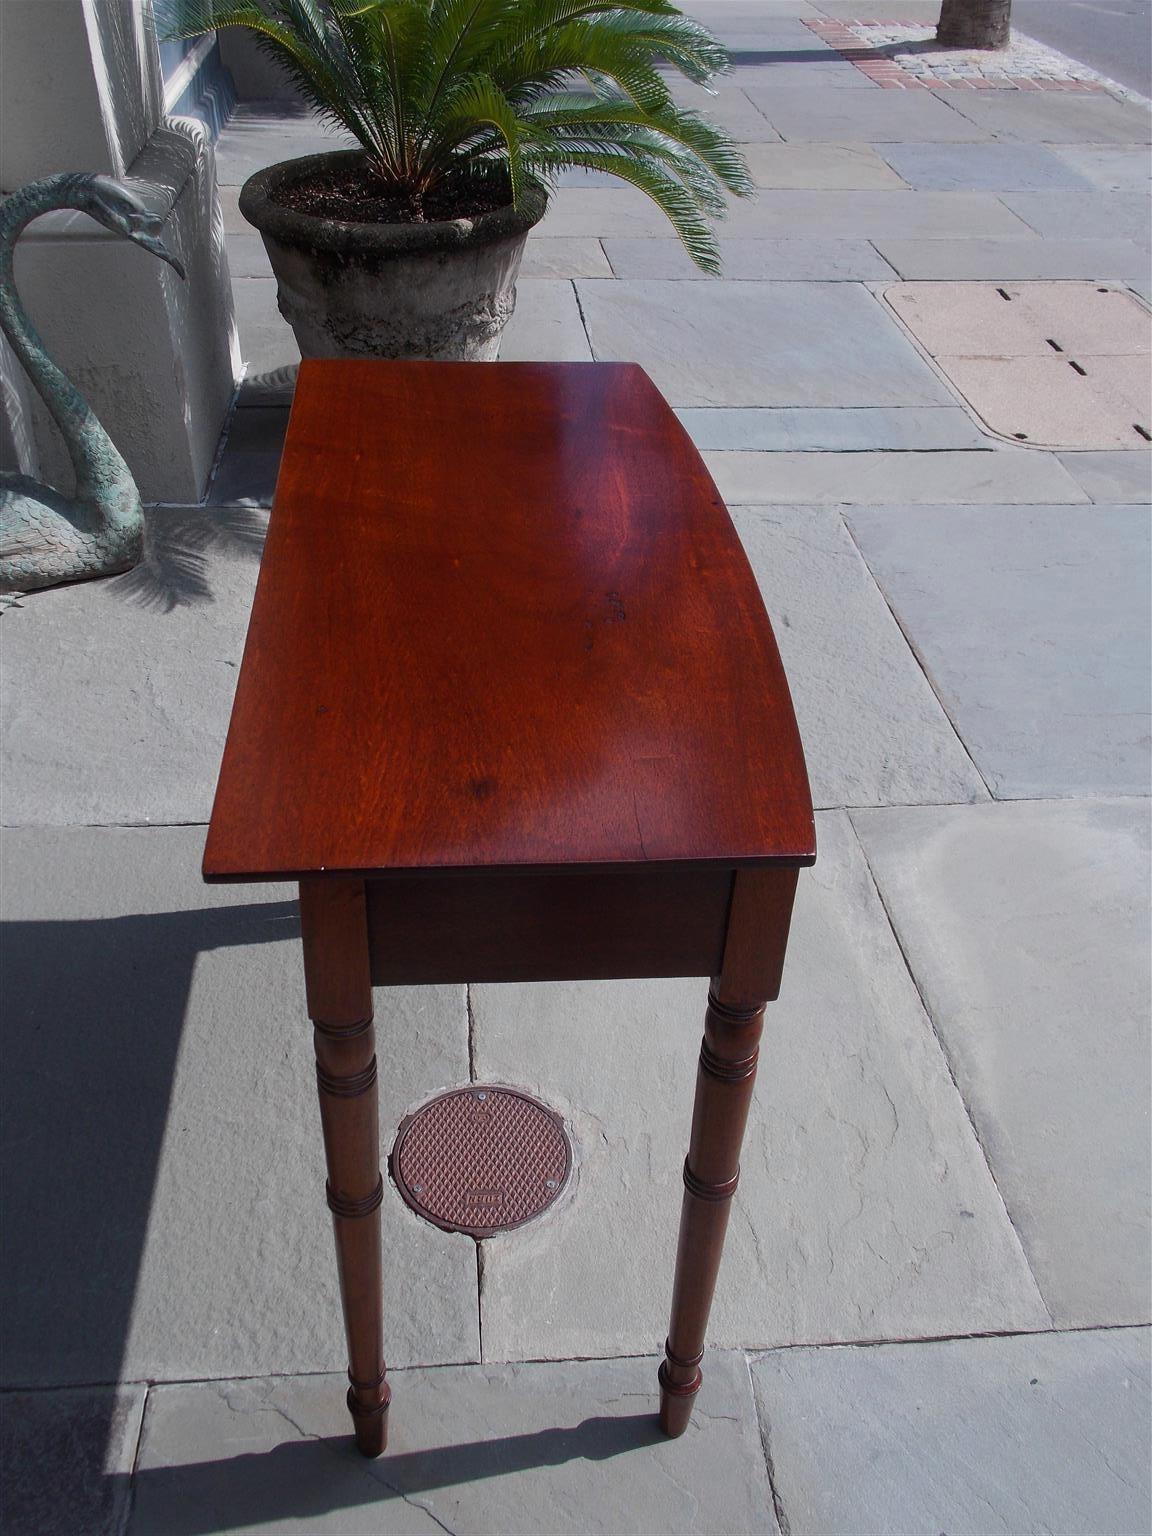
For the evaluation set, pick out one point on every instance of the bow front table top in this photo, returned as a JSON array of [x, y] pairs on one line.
[[511, 709]]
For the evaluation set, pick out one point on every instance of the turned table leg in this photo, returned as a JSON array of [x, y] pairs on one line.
[[338, 979], [749, 978]]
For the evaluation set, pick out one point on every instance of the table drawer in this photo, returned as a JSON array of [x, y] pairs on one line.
[[568, 926]]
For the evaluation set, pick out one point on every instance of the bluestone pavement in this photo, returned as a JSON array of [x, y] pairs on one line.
[[933, 1312]]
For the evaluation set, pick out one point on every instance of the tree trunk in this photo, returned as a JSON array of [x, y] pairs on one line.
[[974, 23]]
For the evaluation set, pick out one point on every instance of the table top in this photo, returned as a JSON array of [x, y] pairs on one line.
[[503, 622]]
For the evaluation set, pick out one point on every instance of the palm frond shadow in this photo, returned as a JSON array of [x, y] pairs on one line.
[[173, 572], [273, 388]]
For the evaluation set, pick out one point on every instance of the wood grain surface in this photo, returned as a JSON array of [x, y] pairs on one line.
[[503, 622]]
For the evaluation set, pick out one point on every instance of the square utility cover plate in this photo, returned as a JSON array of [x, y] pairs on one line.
[[1045, 365]]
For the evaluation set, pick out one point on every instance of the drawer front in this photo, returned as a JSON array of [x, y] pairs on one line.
[[570, 926]]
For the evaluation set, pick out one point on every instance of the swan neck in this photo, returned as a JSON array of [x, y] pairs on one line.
[[100, 470]]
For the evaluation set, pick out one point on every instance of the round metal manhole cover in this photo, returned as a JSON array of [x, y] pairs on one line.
[[481, 1159]]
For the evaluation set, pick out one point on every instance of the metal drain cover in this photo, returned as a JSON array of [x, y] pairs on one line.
[[481, 1159]]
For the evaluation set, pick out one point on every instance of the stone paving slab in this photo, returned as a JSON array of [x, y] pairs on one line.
[[760, 344], [789, 39], [1021, 923], [1055, 117], [1108, 477], [185, 1171], [750, 15], [982, 168], [743, 36], [116, 694], [875, 215], [546, 325], [816, 115], [250, 461], [247, 256], [1016, 475], [251, 456], [779, 29], [233, 221], [866, 1209], [830, 429], [786, 213], [1063, 592], [66, 1459], [725, 103], [1112, 167], [817, 260], [1024, 1435], [266, 339], [1125, 215], [564, 258], [583, 212], [252, 140], [1015, 260], [820, 167], [770, 23], [580, 176], [873, 730], [480, 1451], [779, 40], [801, 68], [880, 10]]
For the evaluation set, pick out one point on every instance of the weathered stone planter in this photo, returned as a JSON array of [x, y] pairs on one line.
[[440, 290]]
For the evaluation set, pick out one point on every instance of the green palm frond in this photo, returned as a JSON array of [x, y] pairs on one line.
[[441, 92], [669, 195], [474, 113], [698, 142]]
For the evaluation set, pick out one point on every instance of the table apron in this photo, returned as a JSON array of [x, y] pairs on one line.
[[571, 926]]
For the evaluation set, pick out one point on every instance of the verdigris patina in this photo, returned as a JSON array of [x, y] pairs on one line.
[[46, 537]]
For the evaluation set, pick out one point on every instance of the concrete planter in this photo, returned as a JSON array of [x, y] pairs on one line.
[[441, 290]]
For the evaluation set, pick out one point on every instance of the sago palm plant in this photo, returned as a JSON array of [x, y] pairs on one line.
[[446, 95]]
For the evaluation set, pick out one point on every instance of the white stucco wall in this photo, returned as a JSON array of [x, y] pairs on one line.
[[127, 69], [157, 358], [79, 86], [17, 438], [51, 114]]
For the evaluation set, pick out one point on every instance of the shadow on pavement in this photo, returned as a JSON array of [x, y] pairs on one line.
[[177, 543], [819, 55], [304, 1480], [90, 1028]]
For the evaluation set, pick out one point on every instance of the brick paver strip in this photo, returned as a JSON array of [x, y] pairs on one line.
[[886, 72]]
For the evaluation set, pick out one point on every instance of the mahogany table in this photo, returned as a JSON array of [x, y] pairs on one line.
[[511, 710]]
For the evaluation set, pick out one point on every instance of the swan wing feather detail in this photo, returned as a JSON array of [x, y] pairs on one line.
[[45, 538]]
